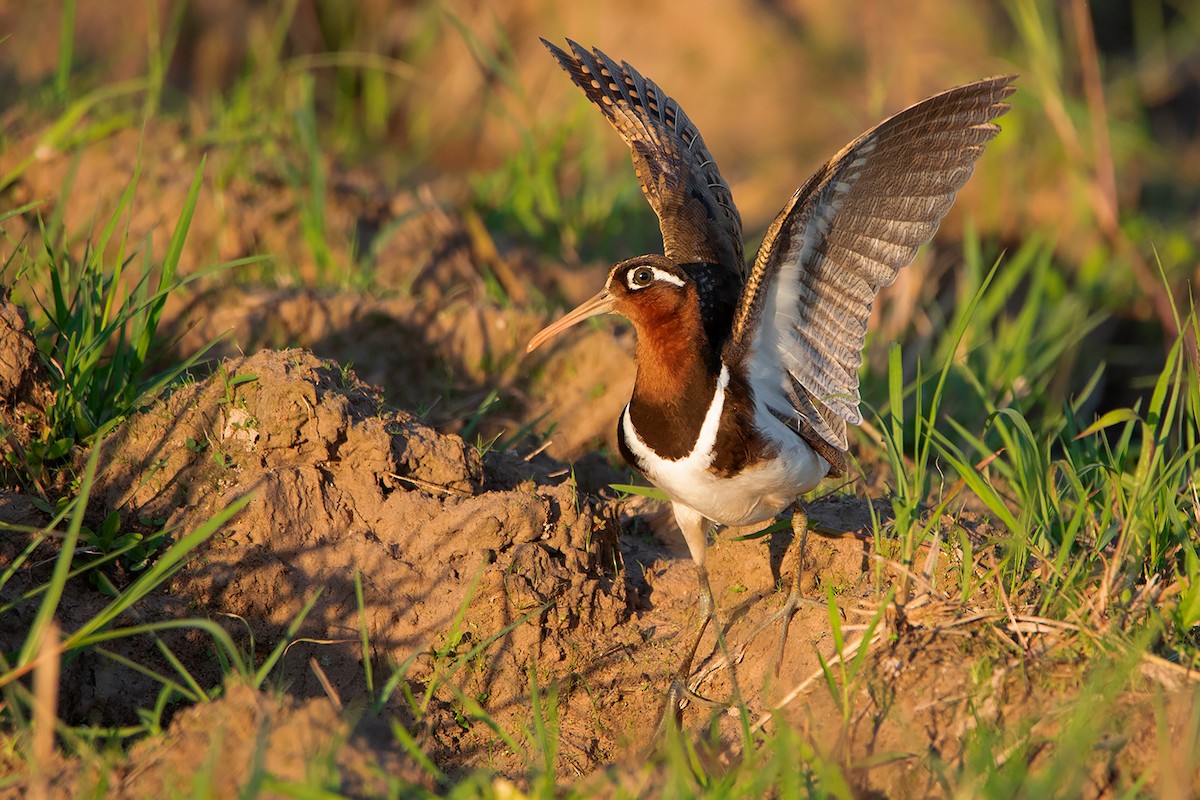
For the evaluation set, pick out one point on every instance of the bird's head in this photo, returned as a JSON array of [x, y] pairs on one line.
[[650, 291]]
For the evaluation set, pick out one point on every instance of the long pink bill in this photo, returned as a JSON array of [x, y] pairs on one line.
[[600, 304]]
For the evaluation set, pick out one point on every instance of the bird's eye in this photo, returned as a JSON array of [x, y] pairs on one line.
[[643, 276]]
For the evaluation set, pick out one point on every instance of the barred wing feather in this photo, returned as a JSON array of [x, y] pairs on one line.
[[846, 233], [699, 221]]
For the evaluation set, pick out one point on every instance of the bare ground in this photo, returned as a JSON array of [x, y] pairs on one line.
[[553, 584]]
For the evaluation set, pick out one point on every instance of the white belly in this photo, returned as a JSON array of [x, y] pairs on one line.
[[754, 495]]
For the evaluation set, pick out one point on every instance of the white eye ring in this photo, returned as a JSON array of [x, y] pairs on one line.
[[656, 274]]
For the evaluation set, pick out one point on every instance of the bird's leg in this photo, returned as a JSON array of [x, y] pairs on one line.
[[707, 608], [708, 613], [794, 598], [695, 532]]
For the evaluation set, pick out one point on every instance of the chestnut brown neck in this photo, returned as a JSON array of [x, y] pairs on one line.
[[676, 376]]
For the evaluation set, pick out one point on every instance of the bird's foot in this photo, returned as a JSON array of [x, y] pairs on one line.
[[795, 597], [679, 697], [784, 616]]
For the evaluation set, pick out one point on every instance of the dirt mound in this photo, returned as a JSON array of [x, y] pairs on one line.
[[343, 486], [439, 283], [455, 352], [247, 732], [241, 739], [246, 208], [452, 547], [483, 576], [459, 552], [24, 389]]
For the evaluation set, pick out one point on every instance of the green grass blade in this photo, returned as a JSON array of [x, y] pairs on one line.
[[158, 572], [62, 567], [269, 663], [362, 629], [170, 265]]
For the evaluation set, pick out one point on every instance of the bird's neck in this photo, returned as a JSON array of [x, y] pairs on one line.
[[676, 377]]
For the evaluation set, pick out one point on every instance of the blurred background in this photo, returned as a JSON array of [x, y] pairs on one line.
[[433, 149], [1110, 97]]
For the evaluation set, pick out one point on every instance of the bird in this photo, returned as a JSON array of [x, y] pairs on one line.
[[747, 373]]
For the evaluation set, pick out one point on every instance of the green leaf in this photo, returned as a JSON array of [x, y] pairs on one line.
[[642, 491], [58, 449], [1117, 416]]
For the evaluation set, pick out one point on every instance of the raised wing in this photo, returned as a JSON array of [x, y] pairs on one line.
[[802, 319], [699, 222]]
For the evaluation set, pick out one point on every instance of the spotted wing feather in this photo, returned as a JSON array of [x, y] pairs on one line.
[[802, 318], [699, 221]]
